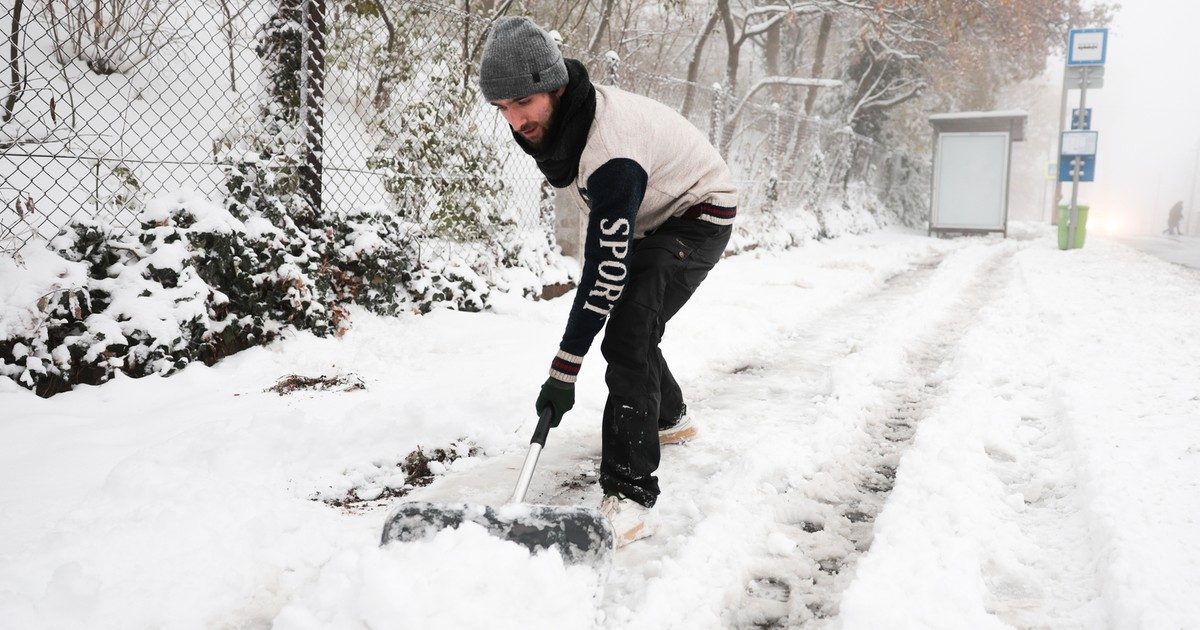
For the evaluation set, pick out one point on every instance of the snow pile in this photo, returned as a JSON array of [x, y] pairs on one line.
[[467, 579]]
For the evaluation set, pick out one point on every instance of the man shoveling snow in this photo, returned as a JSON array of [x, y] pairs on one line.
[[660, 204]]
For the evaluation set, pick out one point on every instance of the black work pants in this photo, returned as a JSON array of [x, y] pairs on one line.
[[666, 267]]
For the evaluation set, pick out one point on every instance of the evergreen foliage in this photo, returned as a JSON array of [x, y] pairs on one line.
[[434, 159]]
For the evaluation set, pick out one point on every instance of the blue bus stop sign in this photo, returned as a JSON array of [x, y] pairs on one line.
[[1082, 123], [1087, 171], [1087, 47]]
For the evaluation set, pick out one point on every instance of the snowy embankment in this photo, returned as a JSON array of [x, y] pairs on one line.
[[1013, 427]]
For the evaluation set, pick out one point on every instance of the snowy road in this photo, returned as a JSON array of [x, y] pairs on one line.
[[897, 432], [1181, 250]]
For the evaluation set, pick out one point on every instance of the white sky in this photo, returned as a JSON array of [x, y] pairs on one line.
[[1148, 115]]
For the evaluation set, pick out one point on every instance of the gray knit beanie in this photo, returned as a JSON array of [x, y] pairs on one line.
[[519, 59]]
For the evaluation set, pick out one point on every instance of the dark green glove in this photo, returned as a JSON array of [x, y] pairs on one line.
[[559, 396]]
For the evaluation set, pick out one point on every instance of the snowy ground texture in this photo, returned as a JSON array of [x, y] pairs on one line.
[[897, 432]]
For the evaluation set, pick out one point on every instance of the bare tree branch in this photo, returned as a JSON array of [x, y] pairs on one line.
[[16, 77], [780, 81]]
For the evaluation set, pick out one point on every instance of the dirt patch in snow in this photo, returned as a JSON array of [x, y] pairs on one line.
[[295, 382], [380, 482]]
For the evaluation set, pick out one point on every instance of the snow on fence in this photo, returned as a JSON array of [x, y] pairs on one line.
[[105, 105]]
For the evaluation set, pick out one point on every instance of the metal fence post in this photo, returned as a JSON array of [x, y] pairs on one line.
[[312, 99]]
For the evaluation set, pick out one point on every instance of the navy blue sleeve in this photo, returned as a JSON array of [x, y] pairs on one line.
[[615, 192]]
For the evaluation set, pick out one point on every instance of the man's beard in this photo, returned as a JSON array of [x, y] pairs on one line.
[[551, 125]]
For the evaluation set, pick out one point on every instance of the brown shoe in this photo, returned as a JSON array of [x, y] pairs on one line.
[[630, 519], [683, 431]]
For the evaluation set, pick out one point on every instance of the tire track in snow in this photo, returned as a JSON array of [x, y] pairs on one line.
[[830, 515], [753, 536], [1013, 510]]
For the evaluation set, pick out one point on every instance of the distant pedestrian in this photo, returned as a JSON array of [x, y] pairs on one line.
[[1174, 218]]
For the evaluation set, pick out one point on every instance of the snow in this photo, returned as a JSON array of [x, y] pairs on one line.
[[896, 431], [1055, 483], [474, 580], [1009, 113], [35, 274], [1181, 250]]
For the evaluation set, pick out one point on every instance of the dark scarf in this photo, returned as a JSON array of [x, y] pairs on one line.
[[558, 159]]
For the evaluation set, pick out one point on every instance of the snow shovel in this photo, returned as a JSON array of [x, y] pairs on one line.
[[582, 535]]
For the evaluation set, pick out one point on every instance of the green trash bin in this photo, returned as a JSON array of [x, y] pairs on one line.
[[1064, 220]]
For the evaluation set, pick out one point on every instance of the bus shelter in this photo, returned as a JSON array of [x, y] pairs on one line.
[[972, 155]]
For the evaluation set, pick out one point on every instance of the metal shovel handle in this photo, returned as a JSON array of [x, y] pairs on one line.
[[531, 458]]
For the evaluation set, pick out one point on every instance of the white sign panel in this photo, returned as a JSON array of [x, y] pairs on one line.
[[1076, 76], [1079, 143], [1087, 47], [970, 181]]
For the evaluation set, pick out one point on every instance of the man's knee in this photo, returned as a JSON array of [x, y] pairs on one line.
[[629, 334]]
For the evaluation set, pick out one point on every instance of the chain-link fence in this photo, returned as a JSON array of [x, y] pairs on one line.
[[106, 104]]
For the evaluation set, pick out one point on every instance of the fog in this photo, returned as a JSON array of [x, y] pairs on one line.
[[1148, 116]]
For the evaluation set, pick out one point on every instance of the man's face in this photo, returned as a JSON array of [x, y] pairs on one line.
[[531, 115]]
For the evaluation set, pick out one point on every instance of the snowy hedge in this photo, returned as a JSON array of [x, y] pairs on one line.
[[195, 283]]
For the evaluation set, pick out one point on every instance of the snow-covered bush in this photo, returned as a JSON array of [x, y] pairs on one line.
[[50, 356], [437, 164], [906, 190], [287, 244], [448, 283], [145, 307], [373, 258], [196, 283], [384, 264]]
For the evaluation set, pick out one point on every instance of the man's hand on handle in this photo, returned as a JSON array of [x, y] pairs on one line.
[[559, 396]]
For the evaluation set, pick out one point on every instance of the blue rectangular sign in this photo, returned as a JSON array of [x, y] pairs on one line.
[[1084, 124], [1087, 47], [1086, 174]]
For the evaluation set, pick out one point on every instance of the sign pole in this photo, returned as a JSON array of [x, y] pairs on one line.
[[1062, 114], [1187, 225], [1077, 168], [1087, 50]]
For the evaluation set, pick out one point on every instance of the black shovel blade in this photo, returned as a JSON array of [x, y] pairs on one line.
[[582, 535]]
